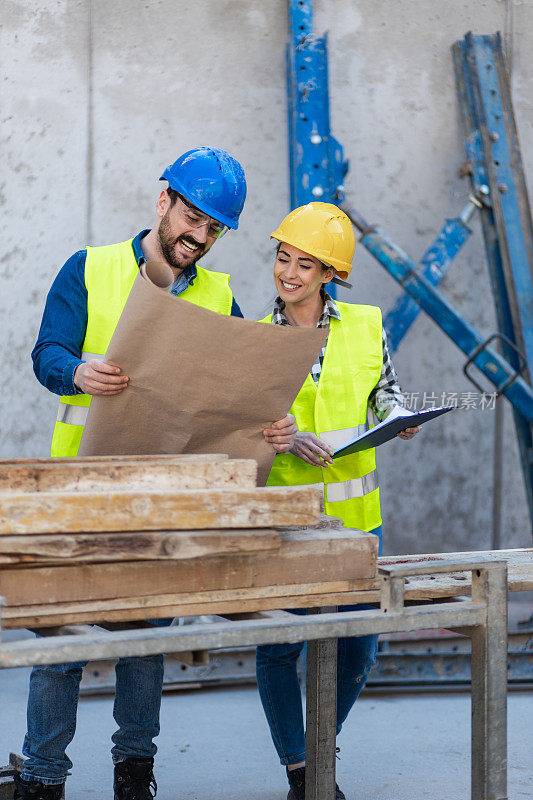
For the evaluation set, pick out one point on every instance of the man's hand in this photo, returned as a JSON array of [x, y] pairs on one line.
[[281, 434], [408, 433], [96, 377], [310, 448]]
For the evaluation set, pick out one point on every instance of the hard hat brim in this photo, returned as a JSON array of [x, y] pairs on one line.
[[327, 260]]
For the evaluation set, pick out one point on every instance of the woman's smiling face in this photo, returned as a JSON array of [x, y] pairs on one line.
[[298, 275]]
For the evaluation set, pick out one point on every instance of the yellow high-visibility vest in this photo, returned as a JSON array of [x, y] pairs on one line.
[[336, 410], [110, 272]]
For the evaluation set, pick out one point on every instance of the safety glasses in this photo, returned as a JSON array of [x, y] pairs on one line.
[[197, 219]]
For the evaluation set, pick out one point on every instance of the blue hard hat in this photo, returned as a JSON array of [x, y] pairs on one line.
[[212, 180]]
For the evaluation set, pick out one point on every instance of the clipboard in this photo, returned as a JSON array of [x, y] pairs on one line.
[[398, 420]]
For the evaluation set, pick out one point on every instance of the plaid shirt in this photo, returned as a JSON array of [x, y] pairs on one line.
[[386, 393]]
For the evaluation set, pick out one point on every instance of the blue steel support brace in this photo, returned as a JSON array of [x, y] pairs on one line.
[[446, 316], [435, 263], [496, 172], [316, 162]]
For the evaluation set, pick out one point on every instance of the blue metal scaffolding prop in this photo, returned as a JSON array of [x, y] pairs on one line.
[[317, 166], [317, 170], [316, 161], [494, 164], [434, 265], [485, 357]]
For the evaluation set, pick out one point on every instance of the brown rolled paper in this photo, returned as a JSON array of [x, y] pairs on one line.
[[200, 382]]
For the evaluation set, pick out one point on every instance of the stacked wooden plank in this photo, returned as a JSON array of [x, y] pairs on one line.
[[119, 539]]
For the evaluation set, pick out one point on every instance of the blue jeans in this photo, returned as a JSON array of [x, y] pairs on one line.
[[279, 689], [52, 707]]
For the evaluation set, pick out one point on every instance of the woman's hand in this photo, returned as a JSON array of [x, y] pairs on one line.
[[408, 433], [310, 448], [281, 434]]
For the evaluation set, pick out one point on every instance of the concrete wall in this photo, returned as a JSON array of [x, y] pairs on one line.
[[99, 97]]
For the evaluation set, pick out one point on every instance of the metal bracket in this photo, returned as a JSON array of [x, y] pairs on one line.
[[393, 578], [7, 785], [474, 202], [473, 355]]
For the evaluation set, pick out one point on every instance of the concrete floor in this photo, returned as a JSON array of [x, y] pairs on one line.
[[215, 743]]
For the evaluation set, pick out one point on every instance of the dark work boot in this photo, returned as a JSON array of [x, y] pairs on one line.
[[297, 785], [35, 790], [134, 779]]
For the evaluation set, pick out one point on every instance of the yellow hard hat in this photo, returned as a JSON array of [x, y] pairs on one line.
[[322, 230]]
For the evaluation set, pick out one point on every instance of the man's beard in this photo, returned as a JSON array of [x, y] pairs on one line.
[[167, 241]]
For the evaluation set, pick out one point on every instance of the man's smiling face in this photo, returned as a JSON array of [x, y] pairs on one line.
[[182, 243]]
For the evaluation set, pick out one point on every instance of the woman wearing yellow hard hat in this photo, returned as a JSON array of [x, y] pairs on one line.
[[352, 374]]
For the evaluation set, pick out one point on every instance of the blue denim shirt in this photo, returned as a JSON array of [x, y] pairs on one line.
[[56, 354]]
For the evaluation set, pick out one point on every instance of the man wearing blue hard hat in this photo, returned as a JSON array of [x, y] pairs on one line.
[[205, 196]]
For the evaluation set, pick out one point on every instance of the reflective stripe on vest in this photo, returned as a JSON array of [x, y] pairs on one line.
[[89, 356], [353, 487], [110, 273], [346, 490], [338, 439], [351, 369], [69, 414], [72, 415]]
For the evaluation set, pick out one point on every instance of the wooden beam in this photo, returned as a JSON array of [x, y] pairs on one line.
[[51, 512], [236, 601], [74, 548], [155, 475], [159, 457], [308, 557], [519, 555]]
